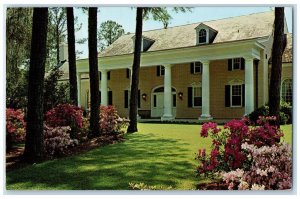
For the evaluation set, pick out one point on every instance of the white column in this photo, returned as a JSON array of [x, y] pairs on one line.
[[249, 85], [103, 84], [205, 90], [78, 75], [167, 93]]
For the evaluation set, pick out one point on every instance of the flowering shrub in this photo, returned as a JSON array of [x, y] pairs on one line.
[[66, 115], [226, 148], [15, 127], [271, 169], [110, 121], [57, 140]]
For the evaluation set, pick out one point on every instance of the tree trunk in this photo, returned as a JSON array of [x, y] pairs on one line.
[[34, 146], [277, 51], [135, 72], [72, 56], [93, 72]]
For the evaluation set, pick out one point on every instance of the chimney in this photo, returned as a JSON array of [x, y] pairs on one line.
[[63, 52]]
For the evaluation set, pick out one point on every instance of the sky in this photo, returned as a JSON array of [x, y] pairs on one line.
[[125, 16]]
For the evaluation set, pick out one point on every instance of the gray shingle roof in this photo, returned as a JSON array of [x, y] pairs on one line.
[[229, 29]]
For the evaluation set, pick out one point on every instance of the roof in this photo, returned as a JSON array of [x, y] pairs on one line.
[[229, 29], [288, 51]]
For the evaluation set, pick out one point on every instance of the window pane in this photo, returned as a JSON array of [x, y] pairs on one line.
[[236, 101], [236, 63], [162, 70], [202, 36], [236, 90], [197, 101], [287, 94], [197, 92]]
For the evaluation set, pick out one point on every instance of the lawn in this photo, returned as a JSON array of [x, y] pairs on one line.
[[159, 154]]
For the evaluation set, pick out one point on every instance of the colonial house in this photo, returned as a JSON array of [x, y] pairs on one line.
[[215, 69]]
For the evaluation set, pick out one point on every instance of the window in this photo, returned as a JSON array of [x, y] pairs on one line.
[[286, 91], [127, 98], [236, 64], [236, 95], [160, 70], [196, 68], [202, 36], [197, 96]]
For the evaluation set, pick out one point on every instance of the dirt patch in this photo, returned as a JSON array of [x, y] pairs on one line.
[[14, 158]]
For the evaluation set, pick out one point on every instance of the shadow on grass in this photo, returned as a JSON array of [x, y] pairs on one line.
[[141, 158]]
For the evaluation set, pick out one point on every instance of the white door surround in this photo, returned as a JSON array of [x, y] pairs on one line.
[[157, 102]]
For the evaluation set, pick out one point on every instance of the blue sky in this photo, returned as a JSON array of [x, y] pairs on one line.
[[126, 17]]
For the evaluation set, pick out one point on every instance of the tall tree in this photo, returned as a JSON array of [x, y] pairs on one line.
[[34, 146], [72, 56], [93, 72], [18, 37], [279, 44], [109, 32], [158, 14]]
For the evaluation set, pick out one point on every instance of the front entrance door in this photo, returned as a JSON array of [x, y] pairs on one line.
[[157, 102], [157, 109]]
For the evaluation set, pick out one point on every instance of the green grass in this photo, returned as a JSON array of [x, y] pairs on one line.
[[159, 154]]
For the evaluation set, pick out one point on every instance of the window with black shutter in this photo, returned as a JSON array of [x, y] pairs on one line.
[[160, 70]]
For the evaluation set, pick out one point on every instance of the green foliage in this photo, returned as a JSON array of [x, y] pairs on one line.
[[109, 32], [285, 115], [55, 92]]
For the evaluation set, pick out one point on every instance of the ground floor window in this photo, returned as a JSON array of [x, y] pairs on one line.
[[197, 96], [286, 91], [236, 95]]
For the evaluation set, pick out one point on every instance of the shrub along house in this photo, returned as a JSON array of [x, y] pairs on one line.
[[213, 69]]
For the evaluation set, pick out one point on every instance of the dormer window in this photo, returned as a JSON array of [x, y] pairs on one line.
[[202, 36], [205, 34], [146, 43]]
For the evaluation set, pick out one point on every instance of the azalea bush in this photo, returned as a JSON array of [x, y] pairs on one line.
[[271, 169], [245, 156], [66, 115], [57, 140], [110, 122], [226, 148], [15, 127]]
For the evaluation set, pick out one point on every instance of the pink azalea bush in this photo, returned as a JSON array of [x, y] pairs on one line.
[[110, 121], [57, 140], [238, 163], [271, 169], [65, 115], [15, 127]]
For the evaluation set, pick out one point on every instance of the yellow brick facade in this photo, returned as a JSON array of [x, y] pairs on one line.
[[181, 80]]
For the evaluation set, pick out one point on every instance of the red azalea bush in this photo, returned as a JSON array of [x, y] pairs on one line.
[[227, 153], [57, 140], [271, 169], [66, 115], [110, 121], [15, 127]]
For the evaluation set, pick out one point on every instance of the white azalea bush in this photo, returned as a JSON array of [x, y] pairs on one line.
[[271, 169]]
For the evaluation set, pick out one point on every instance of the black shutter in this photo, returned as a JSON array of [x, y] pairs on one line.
[[108, 75], [243, 95], [201, 101], [139, 99], [192, 68], [229, 64], [100, 75], [127, 73], [126, 99], [242, 63], [227, 95], [201, 68], [110, 100], [190, 96], [157, 70]]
